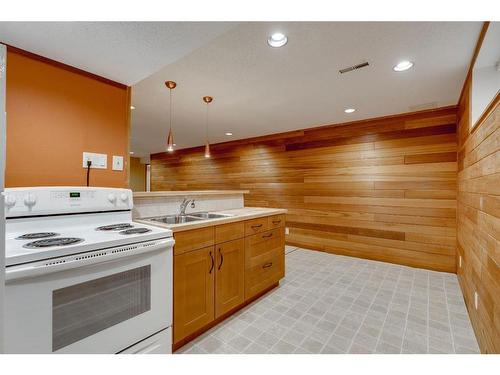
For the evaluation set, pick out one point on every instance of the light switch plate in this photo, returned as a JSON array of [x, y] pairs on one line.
[[117, 163], [99, 161]]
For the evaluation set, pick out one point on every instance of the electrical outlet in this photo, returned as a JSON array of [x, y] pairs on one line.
[[117, 163], [99, 161], [287, 230], [476, 300]]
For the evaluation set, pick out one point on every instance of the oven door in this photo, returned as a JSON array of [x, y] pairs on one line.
[[98, 302]]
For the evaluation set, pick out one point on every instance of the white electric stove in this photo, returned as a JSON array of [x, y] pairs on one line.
[[81, 276]]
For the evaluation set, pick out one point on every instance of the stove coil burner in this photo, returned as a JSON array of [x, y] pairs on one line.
[[35, 236], [135, 231], [60, 241], [120, 226]]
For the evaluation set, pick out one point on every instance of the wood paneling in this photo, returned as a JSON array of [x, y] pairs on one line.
[[137, 180], [382, 189], [478, 219]]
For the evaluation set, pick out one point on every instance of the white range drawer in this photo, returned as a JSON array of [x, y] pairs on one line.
[[159, 343]]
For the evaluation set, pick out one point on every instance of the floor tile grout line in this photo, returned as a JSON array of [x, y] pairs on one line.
[[408, 311], [385, 319], [366, 315], [307, 336], [325, 271], [343, 316], [428, 309], [449, 319], [322, 316]]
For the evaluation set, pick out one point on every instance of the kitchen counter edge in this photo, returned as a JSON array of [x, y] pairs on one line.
[[239, 214]]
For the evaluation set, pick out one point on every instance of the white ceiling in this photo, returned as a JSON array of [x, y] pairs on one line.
[[260, 90], [125, 52], [489, 55]]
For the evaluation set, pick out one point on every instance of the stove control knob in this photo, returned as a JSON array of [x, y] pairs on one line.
[[10, 200], [123, 197], [111, 197], [30, 199]]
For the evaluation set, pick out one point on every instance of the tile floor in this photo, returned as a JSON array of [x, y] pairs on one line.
[[335, 304]]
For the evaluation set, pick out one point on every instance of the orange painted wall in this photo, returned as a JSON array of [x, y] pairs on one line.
[[53, 115]]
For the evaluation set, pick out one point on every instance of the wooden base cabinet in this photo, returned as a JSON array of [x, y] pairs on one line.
[[194, 278], [247, 259], [230, 276]]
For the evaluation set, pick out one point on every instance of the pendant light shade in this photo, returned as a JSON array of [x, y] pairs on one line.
[[170, 139], [207, 150], [207, 100]]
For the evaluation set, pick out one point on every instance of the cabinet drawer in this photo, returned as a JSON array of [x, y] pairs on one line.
[[276, 221], [256, 225], [259, 245], [265, 273], [193, 239], [229, 232]]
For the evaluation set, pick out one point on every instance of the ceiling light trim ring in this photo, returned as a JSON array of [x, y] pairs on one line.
[[277, 39]]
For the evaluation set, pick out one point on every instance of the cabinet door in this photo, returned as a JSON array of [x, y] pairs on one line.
[[230, 276], [194, 275]]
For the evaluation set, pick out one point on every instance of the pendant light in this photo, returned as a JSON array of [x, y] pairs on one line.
[[170, 139], [207, 100]]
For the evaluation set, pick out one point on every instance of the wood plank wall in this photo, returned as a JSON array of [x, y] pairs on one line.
[[382, 189], [478, 220]]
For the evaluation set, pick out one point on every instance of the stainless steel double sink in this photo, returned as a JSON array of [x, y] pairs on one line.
[[179, 219]]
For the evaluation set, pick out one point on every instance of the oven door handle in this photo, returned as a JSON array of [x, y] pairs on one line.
[[28, 270]]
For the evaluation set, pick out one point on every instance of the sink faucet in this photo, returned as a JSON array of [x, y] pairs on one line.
[[184, 204]]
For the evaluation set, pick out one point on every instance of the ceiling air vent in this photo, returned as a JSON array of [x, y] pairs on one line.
[[354, 67]]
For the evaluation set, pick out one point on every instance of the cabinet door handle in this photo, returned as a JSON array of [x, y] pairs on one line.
[[267, 265], [276, 221], [221, 259], [256, 226], [212, 266], [267, 235]]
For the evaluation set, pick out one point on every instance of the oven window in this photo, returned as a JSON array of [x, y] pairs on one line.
[[81, 310]]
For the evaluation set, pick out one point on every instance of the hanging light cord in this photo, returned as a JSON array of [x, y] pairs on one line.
[[170, 114], [206, 126]]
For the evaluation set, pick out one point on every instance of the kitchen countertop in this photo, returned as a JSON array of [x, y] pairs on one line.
[[183, 193], [237, 214]]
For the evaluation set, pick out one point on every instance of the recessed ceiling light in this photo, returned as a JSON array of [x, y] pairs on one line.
[[229, 133], [350, 110], [132, 107], [277, 40], [402, 66]]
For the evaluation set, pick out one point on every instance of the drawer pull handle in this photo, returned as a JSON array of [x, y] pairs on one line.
[[256, 226], [267, 265], [276, 221], [212, 266], [221, 259], [267, 235]]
